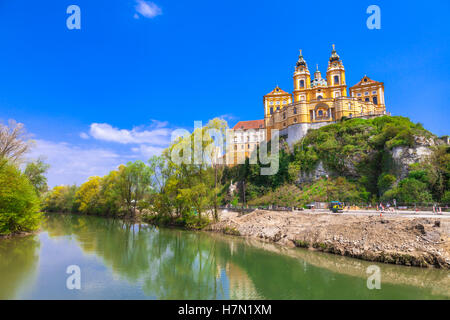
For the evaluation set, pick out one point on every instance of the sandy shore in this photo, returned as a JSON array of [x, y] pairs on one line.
[[403, 240]]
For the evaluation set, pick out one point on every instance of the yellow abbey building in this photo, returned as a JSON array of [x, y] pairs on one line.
[[320, 101]]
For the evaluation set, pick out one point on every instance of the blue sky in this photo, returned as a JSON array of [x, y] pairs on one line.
[[113, 91]]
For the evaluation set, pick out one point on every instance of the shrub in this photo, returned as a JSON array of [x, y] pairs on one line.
[[409, 191], [385, 182], [446, 197], [19, 203]]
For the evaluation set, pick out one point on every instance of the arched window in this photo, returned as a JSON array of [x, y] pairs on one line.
[[271, 110], [295, 110], [375, 100], [319, 98], [367, 99], [320, 113], [284, 115], [302, 83], [336, 80]]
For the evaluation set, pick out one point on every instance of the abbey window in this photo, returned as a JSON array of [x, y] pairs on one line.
[[375, 100], [336, 80], [302, 83]]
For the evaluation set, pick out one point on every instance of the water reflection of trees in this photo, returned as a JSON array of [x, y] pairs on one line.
[[176, 264], [19, 258], [169, 264]]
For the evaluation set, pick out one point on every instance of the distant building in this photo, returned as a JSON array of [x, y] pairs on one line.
[[318, 102], [246, 137]]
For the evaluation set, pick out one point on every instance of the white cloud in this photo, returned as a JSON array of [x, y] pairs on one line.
[[84, 135], [147, 9], [72, 164], [148, 151], [156, 135], [227, 117]]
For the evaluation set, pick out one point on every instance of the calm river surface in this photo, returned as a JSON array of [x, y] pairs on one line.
[[124, 261]]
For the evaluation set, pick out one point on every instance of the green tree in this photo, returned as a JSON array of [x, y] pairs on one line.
[[61, 199], [109, 201], [409, 191], [385, 182], [134, 182], [446, 197], [19, 203], [88, 196], [35, 171]]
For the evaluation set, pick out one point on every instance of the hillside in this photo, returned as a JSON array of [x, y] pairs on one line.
[[358, 161]]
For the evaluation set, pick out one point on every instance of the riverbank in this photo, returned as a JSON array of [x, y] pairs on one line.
[[420, 242], [17, 234]]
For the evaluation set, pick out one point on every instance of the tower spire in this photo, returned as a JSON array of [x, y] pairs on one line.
[[301, 61], [334, 55], [317, 74]]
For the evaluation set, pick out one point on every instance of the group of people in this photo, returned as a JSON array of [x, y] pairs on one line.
[[387, 208], [436, 209]]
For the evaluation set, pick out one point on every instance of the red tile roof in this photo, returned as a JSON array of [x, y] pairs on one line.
[[246, 125]]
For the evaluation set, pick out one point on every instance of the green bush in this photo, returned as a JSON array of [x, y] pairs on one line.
[[385, 182], [19, 203], [409, 191], [446, 197]]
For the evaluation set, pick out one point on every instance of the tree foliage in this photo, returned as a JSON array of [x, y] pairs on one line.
[[19, 203], [35, 171]]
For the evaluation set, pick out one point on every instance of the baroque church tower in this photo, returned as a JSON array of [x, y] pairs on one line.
[[302, 78], [320, 101], [336, 75]]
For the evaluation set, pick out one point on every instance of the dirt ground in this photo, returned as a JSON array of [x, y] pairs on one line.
[[421, 242]]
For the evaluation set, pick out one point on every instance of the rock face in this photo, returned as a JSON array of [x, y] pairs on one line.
[[402, 158], [296, 132], [394, 240], [405, 156], [316, 174]]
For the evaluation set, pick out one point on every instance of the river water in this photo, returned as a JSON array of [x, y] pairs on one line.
[[124, 261]]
